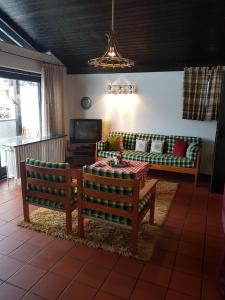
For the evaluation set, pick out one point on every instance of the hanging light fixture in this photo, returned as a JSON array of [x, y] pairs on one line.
[[111, 58]]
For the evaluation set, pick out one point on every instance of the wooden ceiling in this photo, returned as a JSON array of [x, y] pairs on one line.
[[160, 35]]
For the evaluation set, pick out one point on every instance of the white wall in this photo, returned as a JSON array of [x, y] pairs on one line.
[[155, 108]]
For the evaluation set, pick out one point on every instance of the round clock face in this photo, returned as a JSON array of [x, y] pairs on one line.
[[85, 102]]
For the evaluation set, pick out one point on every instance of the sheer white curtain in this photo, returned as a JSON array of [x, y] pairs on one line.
[[52, 104]]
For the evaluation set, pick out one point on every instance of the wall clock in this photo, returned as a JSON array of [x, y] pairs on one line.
[[85, 102]]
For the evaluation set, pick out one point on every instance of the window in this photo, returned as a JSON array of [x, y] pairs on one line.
[[7, 109], [20, 103]]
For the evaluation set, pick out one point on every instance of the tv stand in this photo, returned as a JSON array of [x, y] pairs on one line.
[[80, 154]]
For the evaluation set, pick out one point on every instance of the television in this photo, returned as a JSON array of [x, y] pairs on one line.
[[85, 130]]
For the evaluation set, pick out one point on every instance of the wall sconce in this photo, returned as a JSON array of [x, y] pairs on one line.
[[121, 89]]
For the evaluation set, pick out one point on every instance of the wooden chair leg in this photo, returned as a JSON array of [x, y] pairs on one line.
[[68, 221], [134, 238], [26, 213]]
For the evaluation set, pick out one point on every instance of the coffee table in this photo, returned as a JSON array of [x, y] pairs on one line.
[[135, 170]]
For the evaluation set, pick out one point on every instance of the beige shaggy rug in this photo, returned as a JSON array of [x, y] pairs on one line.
[[103, 235]]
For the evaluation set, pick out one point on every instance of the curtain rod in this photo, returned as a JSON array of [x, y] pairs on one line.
[[35, 59]]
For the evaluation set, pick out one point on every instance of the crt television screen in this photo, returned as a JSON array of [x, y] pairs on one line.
[[85, 130]]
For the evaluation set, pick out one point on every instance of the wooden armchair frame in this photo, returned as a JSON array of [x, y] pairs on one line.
[[66, 186], [133, 214]]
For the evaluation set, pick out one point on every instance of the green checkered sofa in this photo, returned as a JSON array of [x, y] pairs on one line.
[[166, 161], [49, 185]]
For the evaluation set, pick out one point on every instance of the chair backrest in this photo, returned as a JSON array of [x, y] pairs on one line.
[[119, 197], [46, 181]]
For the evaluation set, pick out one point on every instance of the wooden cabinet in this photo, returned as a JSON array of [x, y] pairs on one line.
[[79, 154]]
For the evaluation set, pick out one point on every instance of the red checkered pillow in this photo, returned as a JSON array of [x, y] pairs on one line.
[[180, 148]]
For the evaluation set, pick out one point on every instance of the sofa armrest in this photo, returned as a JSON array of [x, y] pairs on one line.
[[102, 146]]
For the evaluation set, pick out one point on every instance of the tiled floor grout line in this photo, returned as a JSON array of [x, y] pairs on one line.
[[138, 278], [74, 278], [27, 263], [106, 276], [179, 240], [26, 291], [136, 281], [192, 210], [49, 270], [204, 249]]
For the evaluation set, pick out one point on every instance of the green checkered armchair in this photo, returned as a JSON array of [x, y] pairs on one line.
[[49, 185], [115, 200]]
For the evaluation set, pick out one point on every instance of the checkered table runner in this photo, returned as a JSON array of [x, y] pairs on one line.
[[139, 169]]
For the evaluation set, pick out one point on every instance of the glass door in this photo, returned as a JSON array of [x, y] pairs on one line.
[[20, 109]]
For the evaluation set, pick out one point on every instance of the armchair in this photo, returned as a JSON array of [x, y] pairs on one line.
[[118, 201], [48, 185]]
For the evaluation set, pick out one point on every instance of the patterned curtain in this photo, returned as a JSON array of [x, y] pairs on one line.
[[213, 96], [52, 106], [201, 92], [194, 93]]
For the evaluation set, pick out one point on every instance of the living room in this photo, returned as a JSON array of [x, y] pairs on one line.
[[185, 262]]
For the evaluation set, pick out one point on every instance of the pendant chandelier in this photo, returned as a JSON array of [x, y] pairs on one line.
[[111, 58]]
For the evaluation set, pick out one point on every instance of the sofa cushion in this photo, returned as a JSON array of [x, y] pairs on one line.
[[171, 140], [141, 145], [192, 151], [129, 139], [45, 164], [50, 203], [103, 145], [157, 146], [127, 154], [150, 137], [155, 158], [106, 153], [170, 160], [115, 143], [179, 148]]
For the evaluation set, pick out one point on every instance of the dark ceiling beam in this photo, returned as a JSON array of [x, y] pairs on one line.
[[17, 33]]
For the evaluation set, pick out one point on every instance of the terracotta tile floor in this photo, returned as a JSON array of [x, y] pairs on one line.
[[183, 266]]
